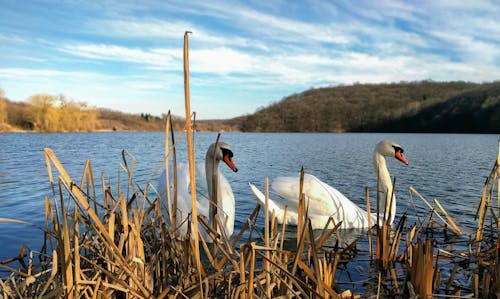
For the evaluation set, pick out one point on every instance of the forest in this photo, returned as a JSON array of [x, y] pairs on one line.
[[424, 106]]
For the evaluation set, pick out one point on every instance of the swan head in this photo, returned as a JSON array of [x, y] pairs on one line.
[[390, 148], [222, 153]]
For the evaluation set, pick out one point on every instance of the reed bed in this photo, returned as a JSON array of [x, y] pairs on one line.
[[104, 241], [114, 241]]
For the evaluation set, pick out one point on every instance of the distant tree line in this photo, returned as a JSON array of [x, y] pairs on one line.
[[58, 113], [3, 109], [474, 111], [396, 107]]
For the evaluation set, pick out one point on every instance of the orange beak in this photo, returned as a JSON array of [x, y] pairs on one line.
[[230, 163], [399, 155]]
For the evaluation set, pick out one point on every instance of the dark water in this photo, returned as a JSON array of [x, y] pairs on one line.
[[449, 167]]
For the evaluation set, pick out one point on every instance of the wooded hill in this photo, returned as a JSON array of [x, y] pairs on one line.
[[425, 106]]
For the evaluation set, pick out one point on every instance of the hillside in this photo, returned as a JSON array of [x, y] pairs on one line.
[[119, 121], [403, 107], [475, 111]]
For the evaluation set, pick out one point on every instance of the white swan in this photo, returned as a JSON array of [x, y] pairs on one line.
[[325, 201], [225, 197]]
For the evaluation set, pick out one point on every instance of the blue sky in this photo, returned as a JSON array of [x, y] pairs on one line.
[[127, 55]]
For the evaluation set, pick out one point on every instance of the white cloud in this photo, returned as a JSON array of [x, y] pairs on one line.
[[142, 28], [12, 73], [221, 61], [288, 30], [11, 38], [156, 57], [172, 32]]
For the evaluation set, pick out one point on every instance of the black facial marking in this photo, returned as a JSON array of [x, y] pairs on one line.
[[398, 149], [226, 151]]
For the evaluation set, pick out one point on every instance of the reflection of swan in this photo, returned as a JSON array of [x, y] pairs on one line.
[[324, 201], [225, 201]]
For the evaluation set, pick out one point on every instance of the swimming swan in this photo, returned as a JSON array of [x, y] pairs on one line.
[[325, 201], [225, 201]]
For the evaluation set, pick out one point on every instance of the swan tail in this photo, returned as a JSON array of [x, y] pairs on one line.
[[261, 199], [259, 196]]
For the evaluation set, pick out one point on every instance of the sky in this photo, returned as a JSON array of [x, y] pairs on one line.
[[243, 55]]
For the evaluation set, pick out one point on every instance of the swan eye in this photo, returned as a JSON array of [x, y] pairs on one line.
[[398, 149], [226, 151]]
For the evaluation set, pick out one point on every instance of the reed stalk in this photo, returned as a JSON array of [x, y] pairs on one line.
[[496, 282], [422, 269], [251, 272], [368, 211], [327, 233], [190, 149], [435, 212], [449, 218], [266, 237], [282, 241], [391, 198], [171, 202], [100, 228], [301, 208], [486, 198]]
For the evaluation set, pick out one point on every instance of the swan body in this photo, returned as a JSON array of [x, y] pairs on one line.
[[209, 177], [323, 201]]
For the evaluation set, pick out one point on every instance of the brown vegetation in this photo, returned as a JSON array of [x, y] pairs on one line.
[[4, 126], [119, 121], [49, 113], [110, 120], [3, 108]]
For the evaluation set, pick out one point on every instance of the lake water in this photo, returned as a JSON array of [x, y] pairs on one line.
[[449, 167]]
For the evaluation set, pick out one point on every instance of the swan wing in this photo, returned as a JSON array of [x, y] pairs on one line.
[[323, 200], [347, 211], [275, 206]]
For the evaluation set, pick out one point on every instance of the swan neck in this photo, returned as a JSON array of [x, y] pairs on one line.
[[384, 186], [212, 174], [381, 170]]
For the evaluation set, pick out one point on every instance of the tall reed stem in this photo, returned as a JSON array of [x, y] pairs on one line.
[[190, 148]]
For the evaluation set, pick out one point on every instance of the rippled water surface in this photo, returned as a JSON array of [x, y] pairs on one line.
[[449, 167]]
